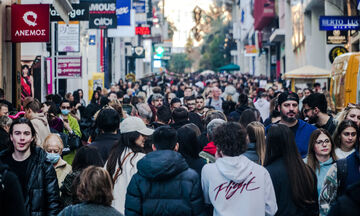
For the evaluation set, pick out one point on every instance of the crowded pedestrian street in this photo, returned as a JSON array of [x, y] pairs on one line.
[[168, 108]]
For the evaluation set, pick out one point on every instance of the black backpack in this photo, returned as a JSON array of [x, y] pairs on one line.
[[341, 175]]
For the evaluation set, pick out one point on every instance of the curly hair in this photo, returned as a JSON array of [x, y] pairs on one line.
[[231, 139]]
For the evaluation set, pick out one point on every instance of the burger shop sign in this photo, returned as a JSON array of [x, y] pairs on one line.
[[30, 23]]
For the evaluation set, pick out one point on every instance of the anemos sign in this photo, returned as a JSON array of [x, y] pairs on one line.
[[30, 23]]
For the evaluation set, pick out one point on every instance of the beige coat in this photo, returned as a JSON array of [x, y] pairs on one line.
[[62, 169], [41, 126]]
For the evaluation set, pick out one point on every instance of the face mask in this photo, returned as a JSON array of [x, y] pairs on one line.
[[65, 111], [53, 157]]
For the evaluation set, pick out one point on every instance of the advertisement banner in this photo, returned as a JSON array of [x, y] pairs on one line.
[[102, 15], [98, 80], [30, 79], [250, 50], [330, 23], [30, 23], [68, 39], [80, 12], [68, 67], [123, 9]]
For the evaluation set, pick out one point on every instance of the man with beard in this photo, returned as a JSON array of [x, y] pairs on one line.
[[189, 102], [200, 106], [288, 104], [193, 116], [315, 108]]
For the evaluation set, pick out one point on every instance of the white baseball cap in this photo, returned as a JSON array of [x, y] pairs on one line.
[[131, 124]]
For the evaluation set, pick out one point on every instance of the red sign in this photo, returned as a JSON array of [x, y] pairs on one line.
[[30, 23], [142, 31], [69, 67]]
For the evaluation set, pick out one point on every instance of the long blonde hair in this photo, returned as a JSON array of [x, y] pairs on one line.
[[343, 114], [256, 133]]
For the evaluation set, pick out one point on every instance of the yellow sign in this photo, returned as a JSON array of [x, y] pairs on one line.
[[96, 81]]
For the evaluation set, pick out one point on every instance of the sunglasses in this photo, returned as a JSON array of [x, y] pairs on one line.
[[63, 107]]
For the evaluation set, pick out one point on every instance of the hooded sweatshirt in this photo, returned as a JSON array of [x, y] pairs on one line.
[[41, 127], [236, 185], [264, 108], [210, 148]]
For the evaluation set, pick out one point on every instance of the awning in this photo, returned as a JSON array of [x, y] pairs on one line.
[[63, 7], [229, 67], [307, 72], [278, 35], [264, 13]]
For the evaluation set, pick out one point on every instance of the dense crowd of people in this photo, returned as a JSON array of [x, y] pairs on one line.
[[220, 144]]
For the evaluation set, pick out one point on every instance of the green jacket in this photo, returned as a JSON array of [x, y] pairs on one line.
[[74, 126]]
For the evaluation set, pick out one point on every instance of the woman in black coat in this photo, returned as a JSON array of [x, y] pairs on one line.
[[36, 175], [294, 182]]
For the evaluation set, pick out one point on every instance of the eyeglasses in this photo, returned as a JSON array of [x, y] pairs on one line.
[[320, 142], [66, 107]]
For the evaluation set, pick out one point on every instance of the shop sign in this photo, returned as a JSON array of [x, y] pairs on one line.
[[102, 15], [123, 12], [130, 77], [30, 23], [335, 52], [250, 50], [139, 6], [139, 52], [329, 23], [68, 67], [336, 37], [80, 12], [68, 37], [140, 30]]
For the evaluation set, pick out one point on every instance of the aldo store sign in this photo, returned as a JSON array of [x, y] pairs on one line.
[[102, 15], [30, 23]]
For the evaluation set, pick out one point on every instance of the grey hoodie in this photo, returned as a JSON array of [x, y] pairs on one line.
[[264, 108]]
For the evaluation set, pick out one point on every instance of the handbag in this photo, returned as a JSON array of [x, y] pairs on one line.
[[74, 141]]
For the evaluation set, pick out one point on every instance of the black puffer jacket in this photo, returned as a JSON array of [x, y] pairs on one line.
[[164, 185], [42, 189]]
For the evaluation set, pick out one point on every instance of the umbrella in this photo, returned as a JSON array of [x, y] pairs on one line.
[[229, 67], [207, 72]]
